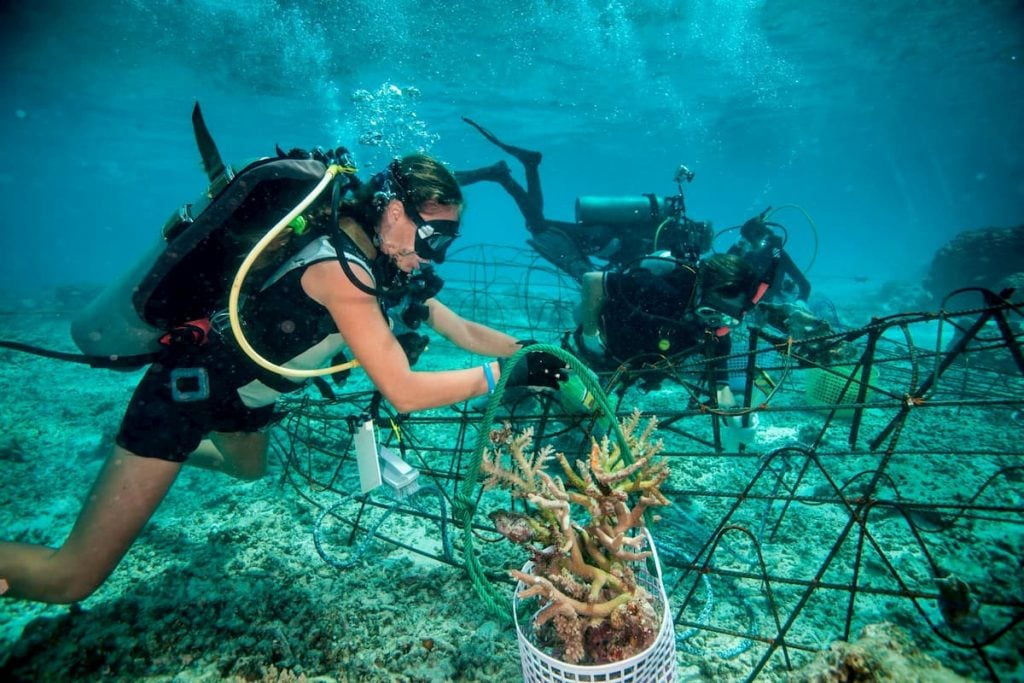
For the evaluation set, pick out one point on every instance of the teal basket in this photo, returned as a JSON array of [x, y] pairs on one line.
[[833, 386]]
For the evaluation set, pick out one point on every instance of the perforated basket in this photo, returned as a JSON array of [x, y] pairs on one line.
[[656, 664], [832, 386]]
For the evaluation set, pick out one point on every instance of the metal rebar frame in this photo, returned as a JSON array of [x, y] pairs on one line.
[[902, 502]]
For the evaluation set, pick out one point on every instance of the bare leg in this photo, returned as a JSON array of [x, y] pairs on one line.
[[124, 497], [242, 455]]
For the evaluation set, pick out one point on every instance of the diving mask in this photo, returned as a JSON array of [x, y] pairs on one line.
[[714, 318], [720, 311], [716, 311], [433, 237]]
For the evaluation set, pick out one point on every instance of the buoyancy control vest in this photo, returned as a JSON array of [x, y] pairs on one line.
[[187, 274]]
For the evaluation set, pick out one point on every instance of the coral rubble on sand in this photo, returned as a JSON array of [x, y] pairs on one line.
[[882, 653]]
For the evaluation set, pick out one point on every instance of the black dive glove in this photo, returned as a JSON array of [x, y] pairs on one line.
[[538, 369]]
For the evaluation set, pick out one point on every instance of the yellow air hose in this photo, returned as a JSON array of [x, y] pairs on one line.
[[243, 270]]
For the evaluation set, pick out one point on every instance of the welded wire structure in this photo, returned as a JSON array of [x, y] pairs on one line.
[[884, 488]]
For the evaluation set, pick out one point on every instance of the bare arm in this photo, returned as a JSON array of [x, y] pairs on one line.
[[469, 335], [369, 338]]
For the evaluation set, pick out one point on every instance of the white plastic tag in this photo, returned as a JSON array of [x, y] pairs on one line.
[[366, 457]]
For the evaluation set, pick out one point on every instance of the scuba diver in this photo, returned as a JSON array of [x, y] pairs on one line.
[[206, 401], [663, 307], [618, 230], [622, 229], [625, 230]]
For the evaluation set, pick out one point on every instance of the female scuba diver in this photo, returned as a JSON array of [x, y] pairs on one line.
[[304, 314]]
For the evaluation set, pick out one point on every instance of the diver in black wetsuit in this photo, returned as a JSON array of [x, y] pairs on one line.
[[626, 230]]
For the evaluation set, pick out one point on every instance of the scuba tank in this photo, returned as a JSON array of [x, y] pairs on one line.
[[187, 273], [577, 400], [574, 396]]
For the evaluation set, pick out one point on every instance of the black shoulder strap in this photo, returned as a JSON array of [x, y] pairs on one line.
[[343, 244]]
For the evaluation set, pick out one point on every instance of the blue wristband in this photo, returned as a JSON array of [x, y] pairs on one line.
[[489, 376]]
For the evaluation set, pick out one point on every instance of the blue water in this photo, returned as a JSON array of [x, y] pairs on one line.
[[896, 124]]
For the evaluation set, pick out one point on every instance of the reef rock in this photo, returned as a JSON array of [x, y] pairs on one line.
[[991, 257], [882, 653]]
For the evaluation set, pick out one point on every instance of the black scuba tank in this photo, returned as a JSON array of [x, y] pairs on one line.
[[188, 272]]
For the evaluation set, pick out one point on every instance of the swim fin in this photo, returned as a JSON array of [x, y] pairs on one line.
[[526, 157], [219, 174]]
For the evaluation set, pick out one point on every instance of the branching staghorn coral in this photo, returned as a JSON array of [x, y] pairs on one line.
[[581, 529]]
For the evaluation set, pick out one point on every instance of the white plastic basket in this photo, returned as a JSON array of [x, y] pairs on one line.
[[656, 664]]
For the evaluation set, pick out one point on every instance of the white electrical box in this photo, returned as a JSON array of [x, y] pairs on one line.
[[366, 457]]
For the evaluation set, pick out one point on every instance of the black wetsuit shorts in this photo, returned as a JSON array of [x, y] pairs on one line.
[[181, 400]]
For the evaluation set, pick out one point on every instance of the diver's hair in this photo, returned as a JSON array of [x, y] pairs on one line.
[[727, 275], [415, 179]]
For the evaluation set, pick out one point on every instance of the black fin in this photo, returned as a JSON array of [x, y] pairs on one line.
[[526, 157], [212, 163]]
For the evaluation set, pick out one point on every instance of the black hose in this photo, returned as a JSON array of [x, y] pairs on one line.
[[107, 362]]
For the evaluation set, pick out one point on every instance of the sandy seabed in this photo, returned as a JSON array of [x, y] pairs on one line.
[[226, 583]]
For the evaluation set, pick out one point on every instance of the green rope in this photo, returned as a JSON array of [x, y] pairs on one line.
[[498, 601]]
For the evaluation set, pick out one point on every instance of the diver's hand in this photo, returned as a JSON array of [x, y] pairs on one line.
[[538, 369]]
